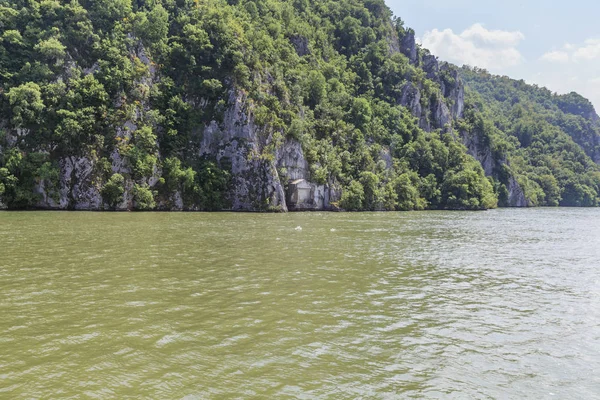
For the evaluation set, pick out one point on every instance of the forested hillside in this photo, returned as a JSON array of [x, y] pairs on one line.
[[220, 105], [550, 142]]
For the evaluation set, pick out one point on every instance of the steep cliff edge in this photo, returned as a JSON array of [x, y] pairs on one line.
[[444, 112]]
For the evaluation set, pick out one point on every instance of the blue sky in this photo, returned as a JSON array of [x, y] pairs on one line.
[[550, 43]]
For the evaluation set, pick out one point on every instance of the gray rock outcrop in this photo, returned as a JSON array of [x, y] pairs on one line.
[[436, 112], [408, 46]]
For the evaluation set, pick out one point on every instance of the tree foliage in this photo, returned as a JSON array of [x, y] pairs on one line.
[[550, 142], [142, 79]]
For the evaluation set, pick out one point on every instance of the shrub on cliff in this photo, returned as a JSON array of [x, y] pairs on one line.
[[112, 192], [143, 198]]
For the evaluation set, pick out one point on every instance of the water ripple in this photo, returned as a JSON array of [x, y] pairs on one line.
[[500, 304]]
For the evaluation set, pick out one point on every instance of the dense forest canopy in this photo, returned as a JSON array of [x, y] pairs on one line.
[[127, 91], [552, 142]]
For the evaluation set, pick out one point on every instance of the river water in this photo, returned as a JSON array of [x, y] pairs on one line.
[[497, 304]]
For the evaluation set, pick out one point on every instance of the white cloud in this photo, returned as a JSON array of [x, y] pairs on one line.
[[478, 34], [589, 51], [572, 67], [556, 56], [476, 46]]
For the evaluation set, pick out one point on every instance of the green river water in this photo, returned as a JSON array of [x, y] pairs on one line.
[[499, 304]]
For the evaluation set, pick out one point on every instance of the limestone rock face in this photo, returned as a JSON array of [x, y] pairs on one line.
[[483, 154], [79, 181], [441, 117], [236, 141], [290, 158], [304, 196], [480, 152], [516, 196], [435, 113], [239, 142], [301, 194], [300, 43], [411, 99], [454, 90], [76, 189], [431, 66], [408, 46]]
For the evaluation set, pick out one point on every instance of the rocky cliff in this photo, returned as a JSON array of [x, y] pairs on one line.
[[267, 105], [259, 164], [445, 111]]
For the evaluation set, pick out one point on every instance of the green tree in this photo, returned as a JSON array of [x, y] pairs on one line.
[[353, 197], [550, 187], [152, 26], [408, 194], [316, 86], [468, 189], [51, 49], [26, 104], [143, 198], [113, 190], [372, 194]]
